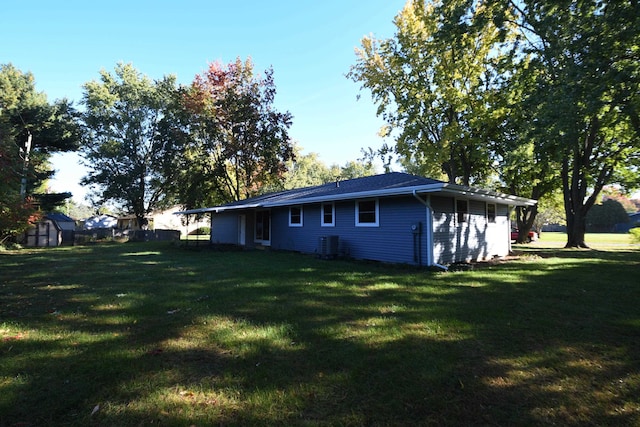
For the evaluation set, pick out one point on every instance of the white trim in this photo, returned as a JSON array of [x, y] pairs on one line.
[[333, 215], [376, 212], [296, 224]]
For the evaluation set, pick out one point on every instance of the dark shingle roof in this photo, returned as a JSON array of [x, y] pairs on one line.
[[59, 217], [367, 184], [390, 184]]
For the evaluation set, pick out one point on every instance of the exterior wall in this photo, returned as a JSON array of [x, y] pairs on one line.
[[224, 228], [473, 240], [391, 241]]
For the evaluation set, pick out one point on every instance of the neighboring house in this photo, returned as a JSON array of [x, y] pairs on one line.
[[634, 221], [159, 220], [100, 221], [52, 230], [395, 217], [130, 222]]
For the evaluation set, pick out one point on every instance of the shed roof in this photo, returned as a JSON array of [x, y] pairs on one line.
[[59, 217], [390, 184]]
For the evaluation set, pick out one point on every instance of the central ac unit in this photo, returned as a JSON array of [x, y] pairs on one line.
[[328, 246]]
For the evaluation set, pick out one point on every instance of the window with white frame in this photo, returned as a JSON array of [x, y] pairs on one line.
[[491, 213], [328, 215], [367, 213], [462, 210], [295, 216]]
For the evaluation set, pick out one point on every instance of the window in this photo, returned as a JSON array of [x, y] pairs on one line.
[[328, 214], [263, 226], [491, 213], [295, 216], [462, 210], [367, 213]]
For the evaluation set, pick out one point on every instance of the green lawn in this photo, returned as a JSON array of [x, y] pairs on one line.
[[151, 333], [602, 241]]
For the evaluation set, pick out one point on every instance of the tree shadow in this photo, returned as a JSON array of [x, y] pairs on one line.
[[202, 338]]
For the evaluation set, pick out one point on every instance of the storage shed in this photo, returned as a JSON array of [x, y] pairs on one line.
[[53, 229]]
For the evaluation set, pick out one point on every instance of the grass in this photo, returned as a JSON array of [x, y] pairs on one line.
[[599, 241], [149, 333]]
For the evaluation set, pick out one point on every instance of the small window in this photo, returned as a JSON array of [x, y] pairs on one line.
[[367, 213], [491, 213], [295, 216], [328, 214], [462, 210]]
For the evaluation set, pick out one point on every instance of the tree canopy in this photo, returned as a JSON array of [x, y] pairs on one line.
[[129, 158], [540, 94], [31, 129], [238, 141], [435, 84]]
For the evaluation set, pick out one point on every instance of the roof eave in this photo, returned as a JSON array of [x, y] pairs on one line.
[[439, 187], [217, 209], [479, 193]]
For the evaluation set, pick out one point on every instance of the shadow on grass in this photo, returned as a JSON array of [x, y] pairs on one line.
[[141, 334]]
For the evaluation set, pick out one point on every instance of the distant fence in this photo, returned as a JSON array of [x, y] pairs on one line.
[[97, 234], [153, 235]]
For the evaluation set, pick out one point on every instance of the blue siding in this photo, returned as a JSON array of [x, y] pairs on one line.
[[475, 239], [391, 241], [224, 228]]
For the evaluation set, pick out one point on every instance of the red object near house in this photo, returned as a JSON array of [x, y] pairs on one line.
[[532, 237]]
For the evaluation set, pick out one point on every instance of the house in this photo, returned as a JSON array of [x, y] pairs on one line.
[[634, 221], [395, 217], [167, 219], [53, 229], [100, 221]]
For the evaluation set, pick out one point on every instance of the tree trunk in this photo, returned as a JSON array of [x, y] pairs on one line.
[[574, 189], [576, 229], [525, 215]]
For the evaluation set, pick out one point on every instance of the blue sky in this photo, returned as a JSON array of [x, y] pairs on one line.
[[310, 46]]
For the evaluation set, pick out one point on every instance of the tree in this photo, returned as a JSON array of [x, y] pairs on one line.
[[239, 142], [129, 150], [550, 211], [524, 166], [31, 130], [306, 171], [614, 193], [587, 93], [435, 83], [604, 217]]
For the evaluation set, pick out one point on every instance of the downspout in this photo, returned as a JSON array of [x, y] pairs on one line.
[[429, 230]]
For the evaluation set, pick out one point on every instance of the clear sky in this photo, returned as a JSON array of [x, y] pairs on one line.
[[309, 44]]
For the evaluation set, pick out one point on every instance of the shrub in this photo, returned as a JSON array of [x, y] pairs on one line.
[[200, 231], [635, 235]]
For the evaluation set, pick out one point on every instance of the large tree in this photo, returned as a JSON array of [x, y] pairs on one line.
[[129, 147], [586, 95], [31, 129], [239, 141], [435, 83], [524, 165]]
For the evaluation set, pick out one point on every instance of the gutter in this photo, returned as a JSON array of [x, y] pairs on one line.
[[429, 227]]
